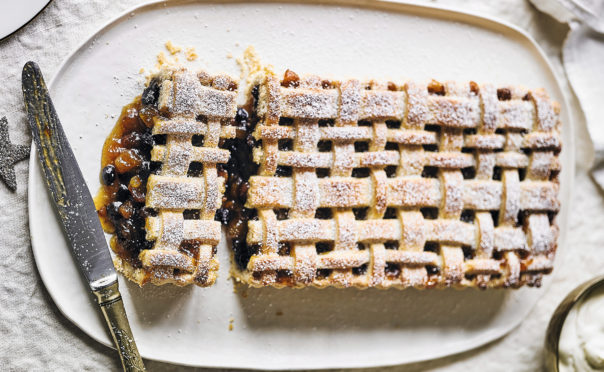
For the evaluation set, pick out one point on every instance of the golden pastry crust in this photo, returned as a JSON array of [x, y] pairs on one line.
[[413, 185]]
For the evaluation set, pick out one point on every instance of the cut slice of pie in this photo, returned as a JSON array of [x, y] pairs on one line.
[[386, 185], [162, 186]]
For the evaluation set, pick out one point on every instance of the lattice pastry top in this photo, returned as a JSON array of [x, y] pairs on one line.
[[195, 110], [424, 185]]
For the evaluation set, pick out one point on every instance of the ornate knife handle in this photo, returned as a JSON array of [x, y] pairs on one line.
[[110, 300]]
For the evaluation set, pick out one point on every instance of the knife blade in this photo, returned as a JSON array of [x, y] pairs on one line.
[[76, 211], [67, 187]]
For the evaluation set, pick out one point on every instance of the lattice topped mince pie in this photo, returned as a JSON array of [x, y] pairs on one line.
[[386, 185], [333, 183], [161, 182]]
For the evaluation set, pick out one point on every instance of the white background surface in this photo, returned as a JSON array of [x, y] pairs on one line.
[[379, 327], [28, 317]]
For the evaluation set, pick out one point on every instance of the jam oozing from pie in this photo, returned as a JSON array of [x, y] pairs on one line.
[[126, 165]]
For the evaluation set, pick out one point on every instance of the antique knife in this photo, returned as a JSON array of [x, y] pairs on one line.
[[77, 213]]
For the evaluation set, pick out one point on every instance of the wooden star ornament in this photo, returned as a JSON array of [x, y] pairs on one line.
[[9, 155]]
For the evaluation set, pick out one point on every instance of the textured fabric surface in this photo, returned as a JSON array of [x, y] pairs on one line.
[[35, 336], [590, 13], [582, 53]]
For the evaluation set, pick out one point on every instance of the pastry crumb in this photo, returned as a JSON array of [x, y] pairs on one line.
[[141, 71], [173, 49], [279, 313], [231, 320], [190, 54], [249, 63], [229, 55], [161, 59], [172, 57]]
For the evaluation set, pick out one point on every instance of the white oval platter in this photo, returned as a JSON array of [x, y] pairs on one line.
[[286, 329]]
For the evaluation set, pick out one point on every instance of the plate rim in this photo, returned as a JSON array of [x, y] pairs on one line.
[[398, 6]]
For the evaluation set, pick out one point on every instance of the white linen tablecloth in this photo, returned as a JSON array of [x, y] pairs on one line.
[[34, 336]]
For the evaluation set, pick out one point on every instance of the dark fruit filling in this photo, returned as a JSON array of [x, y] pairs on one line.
[[151, 93], [127, 165], [108, 174], [126, 162], [504, 94], [237, 171]]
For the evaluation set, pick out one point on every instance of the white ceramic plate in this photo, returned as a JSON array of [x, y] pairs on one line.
[[16, 14], [314, 328]]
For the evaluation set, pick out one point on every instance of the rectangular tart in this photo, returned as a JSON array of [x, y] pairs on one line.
[[372, 184]]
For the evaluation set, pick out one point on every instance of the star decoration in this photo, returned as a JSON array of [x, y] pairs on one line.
[[9, 155]]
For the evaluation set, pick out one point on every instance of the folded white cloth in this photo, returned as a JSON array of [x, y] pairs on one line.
[[588, 12], [583, 59]]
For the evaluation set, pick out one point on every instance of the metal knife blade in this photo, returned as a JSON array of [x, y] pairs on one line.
[[66, 184], [76, 211]]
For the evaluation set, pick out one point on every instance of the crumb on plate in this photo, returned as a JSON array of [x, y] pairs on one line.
[[190, 54], [173, 49]]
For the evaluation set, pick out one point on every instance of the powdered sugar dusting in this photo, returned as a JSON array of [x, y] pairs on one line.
[[452, 160], [515, 115], [373, 183], [341, 192], [306, 192], [507, 239], [378, 158], [482, 195], [511, 189], [178, 126], [183, 97], [309, 104], [488, 98], [417, 105], [382, 104], [546, 115], [540, 238], [192, 98], [454, 112], [350, 100], [452, 202]]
